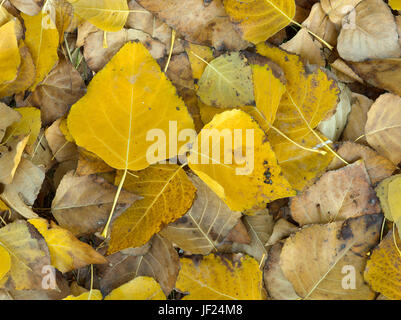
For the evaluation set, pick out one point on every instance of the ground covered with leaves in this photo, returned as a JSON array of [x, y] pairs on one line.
[[193, 149]]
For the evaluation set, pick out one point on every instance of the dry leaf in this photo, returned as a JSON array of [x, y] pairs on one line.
[[21, 194], [369, 32], [337, 10], [10, 157], [344, 73], [167, 195], [197, 22], [382, 269], [258, 20], [160, 262], [66, 252], [281, 230], [30, 7], [383, 128], [336, 196], [82, 204], [28, 125], [8, 116], [377, 166], [61, 88], [133, 111], [212, 277], [140, 288], [345, 245], [205, 225], [29, 254], [255, 185]]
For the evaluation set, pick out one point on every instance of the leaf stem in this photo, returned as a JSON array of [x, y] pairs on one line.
[[171, 50]]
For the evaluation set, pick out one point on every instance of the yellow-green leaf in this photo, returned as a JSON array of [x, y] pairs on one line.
[[167, 195], [140, 288], [108, 15], [125, 100], [66, 252], [220, 278], [42, 39], [258, 20]]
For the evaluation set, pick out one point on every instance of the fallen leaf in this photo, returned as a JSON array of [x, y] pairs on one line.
[[205, 225], [160, 262], [198, 66], [337, 195], [278, 287], [67, 253], [383, 127], [212, 277], [281, 230], [167, 195], [21, 194], [108, 15], [258, 20], [5, 265], [370, 32], [337, 10], [345, 245], [133, 111], [8, 116], [255, 185], [140, 288], [28, 125], [30, 7], [29, 254], [10, 157], [10, 58], [42, 40], [197, 22], [395, 4], [227, 82], [382, 272], [378, 167], [61, 88], [90, 295], [82, 204], [344, 72]]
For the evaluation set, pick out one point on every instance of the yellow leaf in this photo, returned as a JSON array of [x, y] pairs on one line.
[[3, 206], [125, 100], [218, 278], [5, 262], [90, 295], [64, 130], [67, 253], [108, 15], [28, 252], [29, 124], [197, 65], [167, 195], [42, 39], [26, 74], [10, 157], [383, 268], [310, 98], [260, 19], [10, 58], [395, 4], [257, 181], [227, 82], [140, 288]]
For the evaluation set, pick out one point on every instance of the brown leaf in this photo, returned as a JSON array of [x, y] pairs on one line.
[[83, 204], [7, 117], [161, 262], [30, 7], [378, 167], [282, 229], [10, 156], [21, 194], [336, 196], [239, 234], [62, 87], [315, 258], [383, 128], [344, 73], [199, 22]]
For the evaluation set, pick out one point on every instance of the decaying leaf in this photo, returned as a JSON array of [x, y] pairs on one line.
[[383, 127], [315, 275], [205, 225], [369, 32], [382, 269], [337, 10], [214, 277], [29, 254], [66, 252], [257, 183], [160, 262], [140, 288], [338, 195], [167, 195], [82, 204]]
